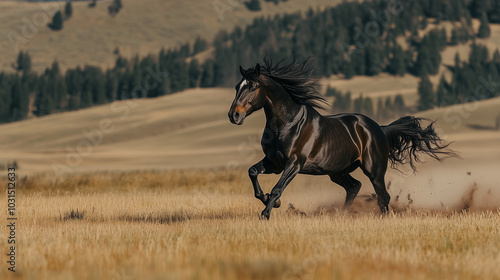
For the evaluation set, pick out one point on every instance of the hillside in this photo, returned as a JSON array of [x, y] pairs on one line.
[[384, 85], [140, 28], [320, 34], [184, 130]]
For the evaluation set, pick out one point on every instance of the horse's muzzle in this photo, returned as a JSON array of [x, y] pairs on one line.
[[236, 118]]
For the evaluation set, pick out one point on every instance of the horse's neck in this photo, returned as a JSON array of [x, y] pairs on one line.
[[280, 108]]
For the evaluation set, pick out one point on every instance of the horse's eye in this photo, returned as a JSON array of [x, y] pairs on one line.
[[254, 88]]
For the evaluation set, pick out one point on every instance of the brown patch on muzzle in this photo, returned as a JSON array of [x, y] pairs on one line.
[[239, 109]]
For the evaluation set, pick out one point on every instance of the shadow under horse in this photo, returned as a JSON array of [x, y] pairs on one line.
[[297, 139]]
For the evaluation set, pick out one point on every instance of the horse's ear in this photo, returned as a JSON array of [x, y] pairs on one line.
[[257, 69], [242, 71]]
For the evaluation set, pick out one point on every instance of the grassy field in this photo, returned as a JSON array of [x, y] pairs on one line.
[[205, 225]]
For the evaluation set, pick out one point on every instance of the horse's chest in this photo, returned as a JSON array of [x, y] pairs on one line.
[[275, 150]]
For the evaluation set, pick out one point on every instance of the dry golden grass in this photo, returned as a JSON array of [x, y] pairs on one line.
[[202, 225]]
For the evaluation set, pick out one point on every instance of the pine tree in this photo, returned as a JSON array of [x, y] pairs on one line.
[[194, 73], [367, 107], [399, 104], [57, 21], [68, 10], [444, 39], [111, 85], [397, 62], [454, 37], [44, 100], [373, 61], [253, 5], [388, 113], [425, 93], [179, 75], [456, 59], [332, 92], [423, 22], [423, 61], [494, 14], [95, 84], [429, 58], [115, 7], [478, 56], [348, 69], [56, 88], [85, 99], [380, 109], [484, 28], [492, 70], [496, 59], [207, 78], [388, 102], [19, 99], [496, 56], [348, 101], [358, 104], [478, 7], [199, 45], [453, 92], [23, 62], [342, 102], [408, 56], [441, 92]]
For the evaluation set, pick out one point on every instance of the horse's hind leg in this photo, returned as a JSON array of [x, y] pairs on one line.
[[351, 186], [376, 174]]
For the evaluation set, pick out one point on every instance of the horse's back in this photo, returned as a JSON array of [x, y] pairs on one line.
[[352, 120]]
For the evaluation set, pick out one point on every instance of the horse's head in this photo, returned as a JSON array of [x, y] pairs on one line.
[[249, 95]]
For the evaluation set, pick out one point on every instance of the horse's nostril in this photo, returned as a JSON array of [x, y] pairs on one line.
[[236, 115]]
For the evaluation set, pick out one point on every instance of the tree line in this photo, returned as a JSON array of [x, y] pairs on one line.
[[385, 109], [349, 39], [475, 79], [25, 93]]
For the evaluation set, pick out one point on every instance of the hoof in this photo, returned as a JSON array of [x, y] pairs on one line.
[[277, 204], [265, 215]]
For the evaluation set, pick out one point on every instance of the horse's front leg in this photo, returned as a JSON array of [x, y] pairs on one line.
[[265, 166], [292, 168]]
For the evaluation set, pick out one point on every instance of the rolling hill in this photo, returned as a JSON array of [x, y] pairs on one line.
[[141, 28], [186, 130]]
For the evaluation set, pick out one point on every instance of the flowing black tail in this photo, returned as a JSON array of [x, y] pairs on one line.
[[408, 140]]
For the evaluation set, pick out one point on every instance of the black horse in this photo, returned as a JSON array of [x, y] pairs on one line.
[[298, 139]]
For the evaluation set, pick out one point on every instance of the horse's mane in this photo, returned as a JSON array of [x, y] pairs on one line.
[[296, 78]]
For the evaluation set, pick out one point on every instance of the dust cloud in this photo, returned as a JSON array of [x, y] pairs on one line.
[[447, 188], [434, 187]]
